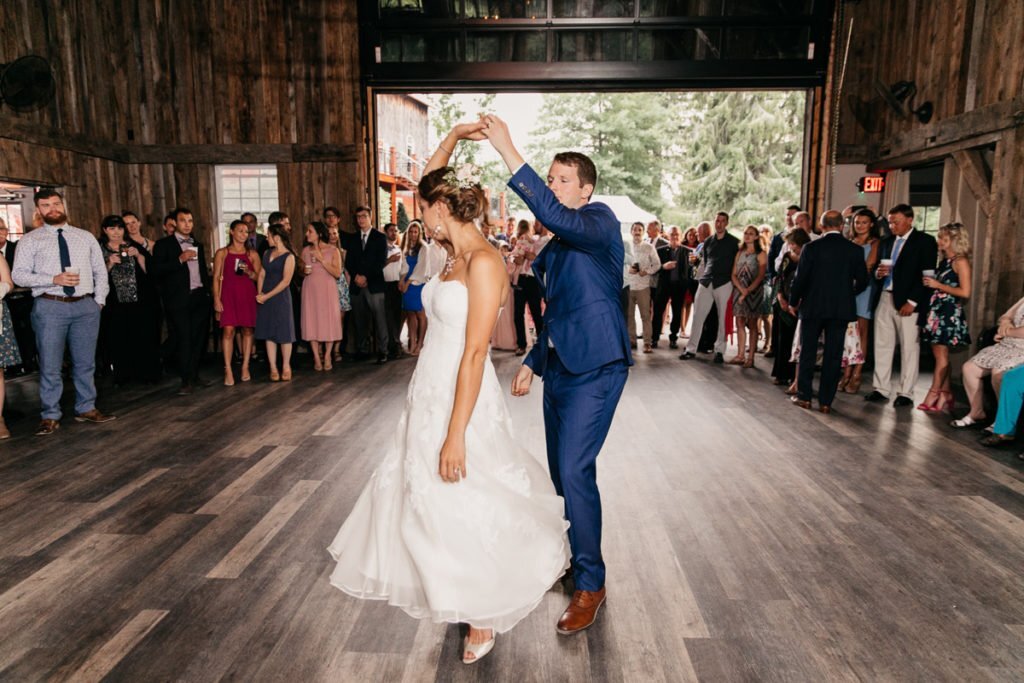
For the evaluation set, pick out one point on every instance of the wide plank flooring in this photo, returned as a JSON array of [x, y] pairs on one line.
[[745, 540]]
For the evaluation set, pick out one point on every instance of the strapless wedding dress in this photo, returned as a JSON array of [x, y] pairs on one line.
[[483, 551]]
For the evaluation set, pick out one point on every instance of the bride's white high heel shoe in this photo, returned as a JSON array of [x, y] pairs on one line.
[[478, 651]]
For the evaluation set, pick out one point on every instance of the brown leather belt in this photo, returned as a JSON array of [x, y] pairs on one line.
[[64, 299]]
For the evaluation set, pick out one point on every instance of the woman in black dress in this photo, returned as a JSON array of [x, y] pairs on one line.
[[275, 322], [783, 370], [130, 323]]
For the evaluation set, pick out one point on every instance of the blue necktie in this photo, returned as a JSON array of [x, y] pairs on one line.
[[65, 258], [895, 255]]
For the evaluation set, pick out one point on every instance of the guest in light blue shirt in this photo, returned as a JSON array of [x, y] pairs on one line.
[[64, 267]]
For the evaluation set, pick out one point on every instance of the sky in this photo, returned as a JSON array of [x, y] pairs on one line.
[[518, 110]]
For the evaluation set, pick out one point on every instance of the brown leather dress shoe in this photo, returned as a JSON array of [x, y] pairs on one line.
[[47, 427], [581, 612], [94, 416], [825, 410], [800, 403]]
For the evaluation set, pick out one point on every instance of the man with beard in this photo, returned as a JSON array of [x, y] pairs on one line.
[[65, 269]]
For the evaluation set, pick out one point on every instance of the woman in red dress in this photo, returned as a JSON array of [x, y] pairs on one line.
[[235, 269]]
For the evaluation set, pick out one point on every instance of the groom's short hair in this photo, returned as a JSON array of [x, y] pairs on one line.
[[585, 168]]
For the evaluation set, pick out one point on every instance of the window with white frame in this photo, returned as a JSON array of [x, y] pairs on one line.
[[241, 189]]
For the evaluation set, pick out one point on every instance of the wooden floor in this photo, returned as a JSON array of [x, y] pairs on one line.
[[745, 540]]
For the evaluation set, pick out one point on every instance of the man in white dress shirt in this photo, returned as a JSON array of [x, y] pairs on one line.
[[64, 267]]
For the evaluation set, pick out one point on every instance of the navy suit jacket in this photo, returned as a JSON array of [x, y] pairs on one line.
[[919, 253], [829, 276], [580, 271], [368, 262]]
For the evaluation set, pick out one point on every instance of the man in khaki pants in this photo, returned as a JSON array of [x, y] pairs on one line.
[[638, 279], [902, 304]]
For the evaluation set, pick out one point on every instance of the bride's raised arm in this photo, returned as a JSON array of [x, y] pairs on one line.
[[485, 282], [462, 131]]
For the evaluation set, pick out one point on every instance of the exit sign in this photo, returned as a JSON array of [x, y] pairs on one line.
[[871, 183]]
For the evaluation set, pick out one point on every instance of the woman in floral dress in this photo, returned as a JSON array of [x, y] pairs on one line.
[[945, 327]]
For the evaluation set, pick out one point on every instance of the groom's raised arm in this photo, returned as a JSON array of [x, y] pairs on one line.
[[592, 228]]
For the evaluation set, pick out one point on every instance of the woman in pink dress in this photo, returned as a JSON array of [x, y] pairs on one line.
[[321, 315], [235, 269], [504, 336]]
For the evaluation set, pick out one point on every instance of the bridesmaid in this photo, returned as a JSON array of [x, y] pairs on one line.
[[748, 278], [412, 305], [275, 321], [321, 314], [504, 336], [9, 354], [333, 218], [866, 236], [945, 327], [235, 271]]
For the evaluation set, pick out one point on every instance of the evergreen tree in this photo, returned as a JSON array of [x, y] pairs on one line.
[[403, 218]]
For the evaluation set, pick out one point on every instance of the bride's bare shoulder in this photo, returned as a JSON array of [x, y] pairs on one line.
[[485, 266]]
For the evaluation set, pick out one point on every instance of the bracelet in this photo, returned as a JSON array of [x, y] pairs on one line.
[[446, 151]]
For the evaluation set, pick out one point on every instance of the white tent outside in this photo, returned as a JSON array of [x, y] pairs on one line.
[[625, 210]]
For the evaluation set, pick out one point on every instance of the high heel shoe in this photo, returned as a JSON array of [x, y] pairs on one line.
[[246, 376], [286, 375], [749, 363], [853, 386], [946, 402], [229, 379], [478, 651], [275, 376], [328, 365], [930, 407]]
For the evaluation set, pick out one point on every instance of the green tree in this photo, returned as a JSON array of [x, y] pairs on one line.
[[403, 218]]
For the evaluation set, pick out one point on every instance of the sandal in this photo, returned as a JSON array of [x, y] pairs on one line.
[[274, 375], [996, 440], [474, 653], [967, 422], [229, 379], [930, 407], [286, 375]]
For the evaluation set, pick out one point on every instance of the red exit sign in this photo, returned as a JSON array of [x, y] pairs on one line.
[[871, 183]]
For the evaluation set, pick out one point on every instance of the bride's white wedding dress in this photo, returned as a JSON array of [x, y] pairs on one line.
[[482, 551]]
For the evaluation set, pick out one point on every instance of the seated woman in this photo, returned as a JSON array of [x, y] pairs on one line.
[[1006, 354], [1011, 397]]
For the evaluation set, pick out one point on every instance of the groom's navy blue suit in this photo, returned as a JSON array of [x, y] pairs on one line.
[[583, 355]]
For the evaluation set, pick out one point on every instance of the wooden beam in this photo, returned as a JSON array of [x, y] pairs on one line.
[[44, 136], [972, 167], [971, 129], [936, 153]]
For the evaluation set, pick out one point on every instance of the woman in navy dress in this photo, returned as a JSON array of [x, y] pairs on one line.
[[275, 322], [412, 305], [945, 327]]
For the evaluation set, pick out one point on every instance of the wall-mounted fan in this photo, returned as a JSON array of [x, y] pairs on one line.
[[27, 83], [900, 96]]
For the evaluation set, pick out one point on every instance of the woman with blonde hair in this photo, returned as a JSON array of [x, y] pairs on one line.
[[945, 327]]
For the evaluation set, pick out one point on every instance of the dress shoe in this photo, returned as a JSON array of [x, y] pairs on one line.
[[47, 427], [800, 403], [673, 345], [876, 397], [718, 359], [902, 402], [202, 383], [381, 359], [581, 612], [185, 390], [686, 355], [825, 410], [94, 416]]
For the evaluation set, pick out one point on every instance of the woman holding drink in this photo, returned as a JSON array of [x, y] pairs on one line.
[[235, 270]]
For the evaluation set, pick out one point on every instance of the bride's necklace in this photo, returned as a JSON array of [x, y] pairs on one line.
[[449, 263]]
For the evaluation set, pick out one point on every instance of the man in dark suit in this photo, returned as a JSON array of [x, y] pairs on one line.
[[901, 304], [179, 265], [830, 276], [366, 254], [673, 281]]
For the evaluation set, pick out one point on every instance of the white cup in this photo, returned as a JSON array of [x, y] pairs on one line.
[[72, 270], [928, 273], [887, 262]]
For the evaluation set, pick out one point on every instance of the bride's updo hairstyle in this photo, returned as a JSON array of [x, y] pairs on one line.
[[466, 202]]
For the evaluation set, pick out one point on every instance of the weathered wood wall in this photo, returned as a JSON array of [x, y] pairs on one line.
[[966, 57], [137, 79]]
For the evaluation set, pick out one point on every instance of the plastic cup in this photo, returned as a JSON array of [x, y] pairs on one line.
[[928, 273], [887, 262], [72, 270]]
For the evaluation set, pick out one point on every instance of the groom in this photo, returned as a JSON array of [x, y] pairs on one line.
[[583, 352]]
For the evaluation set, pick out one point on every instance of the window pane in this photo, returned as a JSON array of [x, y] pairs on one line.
[[506, 9], [506, 46], [425, 47], [595, 46], [427, 8], [724, 8], [787, 42], [679, 44], [593, 8]]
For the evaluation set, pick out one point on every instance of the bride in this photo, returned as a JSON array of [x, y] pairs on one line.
[[458, 523]]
